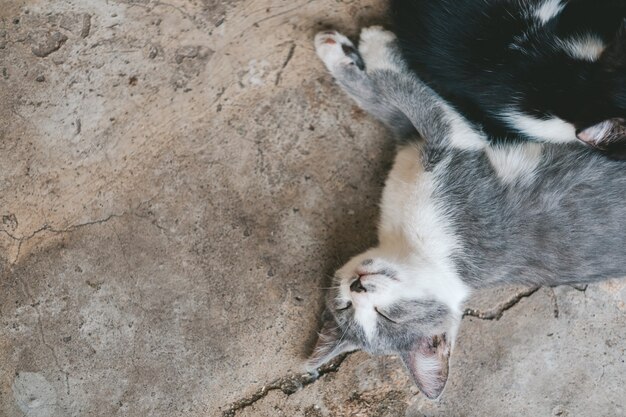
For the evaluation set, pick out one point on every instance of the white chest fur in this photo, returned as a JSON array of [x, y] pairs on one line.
[[415, 231]]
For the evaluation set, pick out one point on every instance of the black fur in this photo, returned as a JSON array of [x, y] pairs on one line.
[[462, 49]]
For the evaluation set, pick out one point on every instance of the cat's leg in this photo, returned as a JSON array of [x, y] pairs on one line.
[[350, 71], [379, 80]]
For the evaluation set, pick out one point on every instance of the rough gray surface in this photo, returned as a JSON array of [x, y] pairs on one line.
[[178, 178]]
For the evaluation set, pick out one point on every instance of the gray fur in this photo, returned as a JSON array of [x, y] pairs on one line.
[[561, 223], [391, 98], [565, 226]]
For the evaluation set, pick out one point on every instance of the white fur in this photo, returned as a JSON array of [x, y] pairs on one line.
[[331, 53], [365, 313], [365, 302], [554, 130], [588, 47], [416, 241], [515, 162], [414, 226], [375, 51], [548, 10], [462, 135]]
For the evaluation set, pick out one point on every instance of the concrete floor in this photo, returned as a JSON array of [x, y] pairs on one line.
[[177, 181]]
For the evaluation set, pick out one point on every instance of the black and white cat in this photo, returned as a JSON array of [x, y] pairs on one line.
[[549, 70], [458, 214]]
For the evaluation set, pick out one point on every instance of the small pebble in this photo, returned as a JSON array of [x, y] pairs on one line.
[[48, 44]]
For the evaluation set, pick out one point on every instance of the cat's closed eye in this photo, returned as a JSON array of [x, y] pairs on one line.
[[345, 306]]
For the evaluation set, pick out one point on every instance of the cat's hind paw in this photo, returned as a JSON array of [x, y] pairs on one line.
[[336, 51]]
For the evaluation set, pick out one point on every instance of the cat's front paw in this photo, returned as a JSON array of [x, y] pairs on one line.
[[336, 51], [378, 48]]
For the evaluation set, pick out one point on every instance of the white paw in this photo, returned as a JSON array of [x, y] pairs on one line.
[[335, 50], [376, 35], [377, 48]]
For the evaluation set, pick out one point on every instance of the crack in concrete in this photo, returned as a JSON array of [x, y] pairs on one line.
[[289, 384], [292, 383], [496, 312], [47, 228]]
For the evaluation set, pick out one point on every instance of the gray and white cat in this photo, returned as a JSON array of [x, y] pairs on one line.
[[458, 215]]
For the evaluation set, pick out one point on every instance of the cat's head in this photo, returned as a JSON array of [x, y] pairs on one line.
[[381, 306]]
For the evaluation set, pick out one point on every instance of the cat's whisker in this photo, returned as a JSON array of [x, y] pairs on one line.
[[343, 335]]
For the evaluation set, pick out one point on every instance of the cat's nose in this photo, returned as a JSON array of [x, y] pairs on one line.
[[357, 286]]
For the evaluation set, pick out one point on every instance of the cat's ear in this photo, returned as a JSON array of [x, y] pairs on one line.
[[329, 345], [604, 134], [428, 363]]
